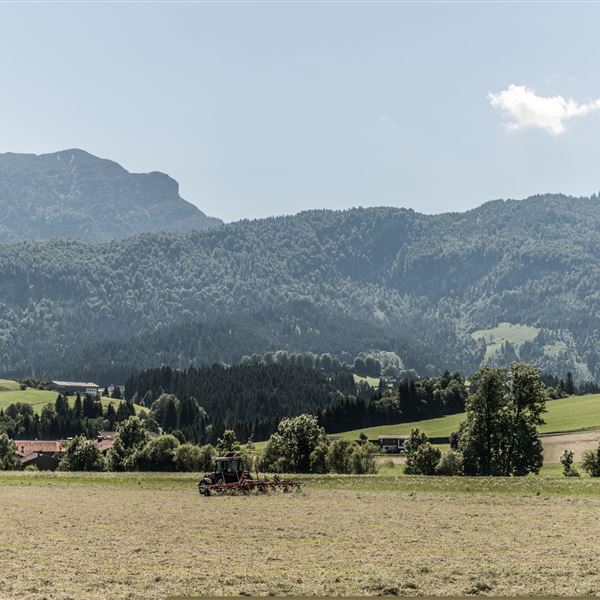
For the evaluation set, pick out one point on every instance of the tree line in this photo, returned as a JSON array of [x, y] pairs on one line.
[[248, 399], [499, 437], [251, 399]]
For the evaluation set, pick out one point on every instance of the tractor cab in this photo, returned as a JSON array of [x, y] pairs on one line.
[[229, 467]]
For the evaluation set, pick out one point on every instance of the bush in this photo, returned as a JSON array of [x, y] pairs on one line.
[[362, 459], [271, 459], [421, 457], [9, 459], [339, 456], [591, 462], [191, 458], [426, 459], [451, 464], [319, 461], [343, 456], [131, 437], [157, 455], [207, 455], [566, 460], [82, 455]]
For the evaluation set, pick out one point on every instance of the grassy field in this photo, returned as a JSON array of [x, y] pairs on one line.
[[550, 483], [6, 385], [568, 414], [151, 535], [517, 335], [372, 381], [37, 398]]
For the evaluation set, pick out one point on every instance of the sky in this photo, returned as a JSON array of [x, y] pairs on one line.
[[269, 108]]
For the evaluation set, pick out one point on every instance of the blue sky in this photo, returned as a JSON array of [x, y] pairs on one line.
[[265, 108]]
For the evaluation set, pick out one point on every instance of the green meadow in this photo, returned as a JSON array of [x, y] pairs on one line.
[[11, 393], [575, 413]]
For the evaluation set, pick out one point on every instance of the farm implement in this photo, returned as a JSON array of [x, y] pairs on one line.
[[231, 477]]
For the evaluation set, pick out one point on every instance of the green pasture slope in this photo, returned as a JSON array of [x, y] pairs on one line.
[[6, 385], [11, 393], [576, 413]]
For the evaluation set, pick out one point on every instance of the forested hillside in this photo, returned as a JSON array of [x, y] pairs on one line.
[[509, 279], [72, 194]]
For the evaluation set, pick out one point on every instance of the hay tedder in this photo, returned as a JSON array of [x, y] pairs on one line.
[[231, 477]]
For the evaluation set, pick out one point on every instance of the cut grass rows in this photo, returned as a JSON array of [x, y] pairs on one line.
[[62, 542], [387, 481]]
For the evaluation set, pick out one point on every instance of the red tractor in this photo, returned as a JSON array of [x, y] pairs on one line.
[[231, 476]]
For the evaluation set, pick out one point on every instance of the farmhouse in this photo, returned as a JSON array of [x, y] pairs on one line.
[[73, 387], [44, 454], [391, 443], [47, 454]]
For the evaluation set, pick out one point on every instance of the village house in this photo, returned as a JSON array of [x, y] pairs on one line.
[[74, 387], [44, 454], [391, 444], [47, 454]]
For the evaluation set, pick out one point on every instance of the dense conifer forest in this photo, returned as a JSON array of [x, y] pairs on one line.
[[429, 288], [252, 399]]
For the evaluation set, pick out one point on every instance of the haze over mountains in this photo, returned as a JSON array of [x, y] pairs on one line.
[[508, 280], [73, 194]]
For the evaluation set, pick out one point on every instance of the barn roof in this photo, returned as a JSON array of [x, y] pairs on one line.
[[25, 447], [75, 384], [105, 445]]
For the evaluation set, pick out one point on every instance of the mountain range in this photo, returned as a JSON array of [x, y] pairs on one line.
[[73, 194], [508, 280]]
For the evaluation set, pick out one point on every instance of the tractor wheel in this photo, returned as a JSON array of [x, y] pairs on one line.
[[203, 488]]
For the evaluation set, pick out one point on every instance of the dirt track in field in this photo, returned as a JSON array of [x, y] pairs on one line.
[[579, 442], [95, 542]]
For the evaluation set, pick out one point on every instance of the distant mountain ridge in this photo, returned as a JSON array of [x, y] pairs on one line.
[[75, 195]]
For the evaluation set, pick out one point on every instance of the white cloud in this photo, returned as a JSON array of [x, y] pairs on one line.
[[389, 122], [527, 109]]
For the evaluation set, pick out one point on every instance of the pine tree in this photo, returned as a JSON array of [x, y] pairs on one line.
[[570, 386]]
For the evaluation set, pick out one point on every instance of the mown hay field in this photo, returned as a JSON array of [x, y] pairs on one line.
[[150, 536]]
